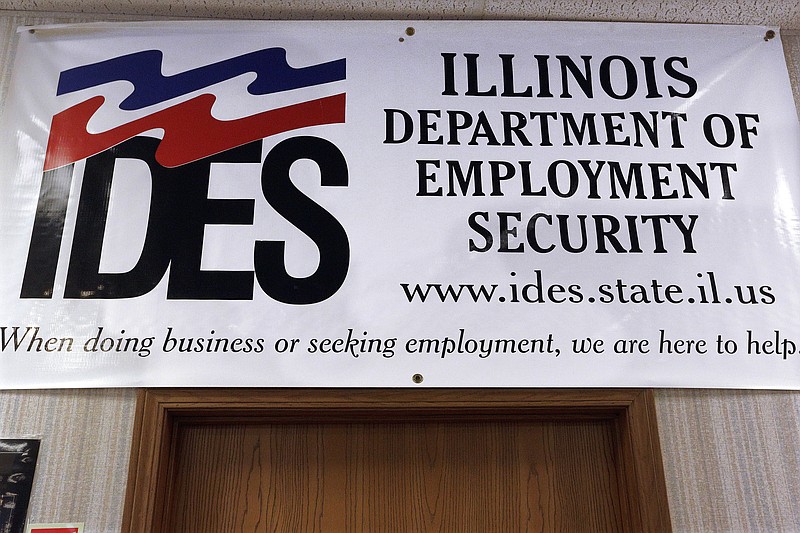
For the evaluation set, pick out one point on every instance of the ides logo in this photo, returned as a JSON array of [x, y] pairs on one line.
[[179, 166]]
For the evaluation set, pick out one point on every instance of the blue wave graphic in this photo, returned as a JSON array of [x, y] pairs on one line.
[[143, 70]]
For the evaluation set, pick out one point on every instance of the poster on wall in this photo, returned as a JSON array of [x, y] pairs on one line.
[[76, 527], [400, 204], [17, 466]]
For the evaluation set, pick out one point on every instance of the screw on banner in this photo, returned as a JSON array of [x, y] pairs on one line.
[[769, 35], [409, 31], [417, 378]]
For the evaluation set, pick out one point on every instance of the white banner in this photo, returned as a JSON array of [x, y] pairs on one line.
[[446, 204]]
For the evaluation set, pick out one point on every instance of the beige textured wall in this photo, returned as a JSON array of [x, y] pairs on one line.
[[732, 458], [83, 460]]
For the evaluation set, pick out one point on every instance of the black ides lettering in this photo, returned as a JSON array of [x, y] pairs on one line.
[[180, 209]]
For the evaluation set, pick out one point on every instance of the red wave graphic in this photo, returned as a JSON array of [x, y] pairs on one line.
[[190, 131]]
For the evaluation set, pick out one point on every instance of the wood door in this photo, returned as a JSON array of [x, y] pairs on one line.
[[396, 461]]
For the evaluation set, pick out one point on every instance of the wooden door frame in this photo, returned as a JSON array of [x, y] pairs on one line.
[[161, 412]]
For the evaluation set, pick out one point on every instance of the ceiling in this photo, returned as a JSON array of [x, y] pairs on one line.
[[781, 13]]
